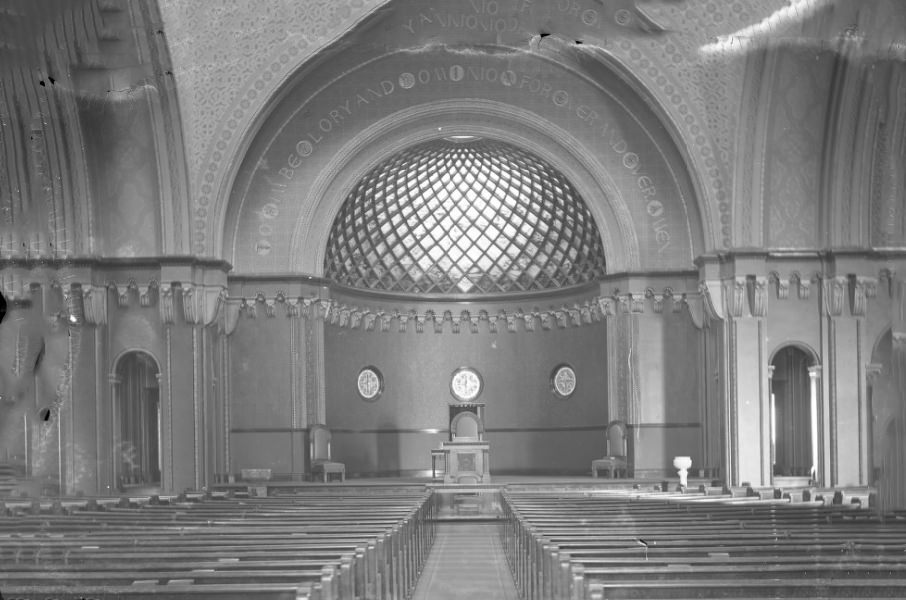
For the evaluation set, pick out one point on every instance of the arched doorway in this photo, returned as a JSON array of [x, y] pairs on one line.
[[794, 419], [137, 417]]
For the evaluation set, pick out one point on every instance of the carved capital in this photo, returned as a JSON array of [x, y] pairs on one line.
[[863, 288], [165, 304], [834, 293], [368, 320], [760, 297], [735, 295], [386, 319]]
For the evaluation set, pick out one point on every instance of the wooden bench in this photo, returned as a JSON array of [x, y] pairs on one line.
[[310, 546], [645, 545]]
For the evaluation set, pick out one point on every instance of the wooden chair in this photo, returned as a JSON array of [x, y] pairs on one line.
[[616, 458], [319, 439]]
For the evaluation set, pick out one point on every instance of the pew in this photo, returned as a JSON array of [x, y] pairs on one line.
[[309, 546], [576, 544]]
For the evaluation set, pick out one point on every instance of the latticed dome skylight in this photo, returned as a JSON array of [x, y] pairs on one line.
[[464, 216]]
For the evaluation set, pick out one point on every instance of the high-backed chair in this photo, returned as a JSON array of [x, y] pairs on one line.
[[319, 441], [616, 457], [466, 427]]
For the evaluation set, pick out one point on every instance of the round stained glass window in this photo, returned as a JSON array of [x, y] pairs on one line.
[[370, 383], [464, 216], [563, 381]]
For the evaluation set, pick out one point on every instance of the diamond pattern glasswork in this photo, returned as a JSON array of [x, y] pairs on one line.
[[464, 217]]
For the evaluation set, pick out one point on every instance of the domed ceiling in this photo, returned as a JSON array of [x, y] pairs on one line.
[[464, 215]]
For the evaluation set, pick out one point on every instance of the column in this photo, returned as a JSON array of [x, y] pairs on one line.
[[814, 378], [114, 437]]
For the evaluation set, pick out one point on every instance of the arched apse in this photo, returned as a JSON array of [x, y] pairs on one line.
[[357, 104], [137, 417], [794, 413]]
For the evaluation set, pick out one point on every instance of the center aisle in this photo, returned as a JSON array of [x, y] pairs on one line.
[[466, 561]]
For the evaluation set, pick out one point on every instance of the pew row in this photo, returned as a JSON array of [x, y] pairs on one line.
[[610, 544], [323, 546]]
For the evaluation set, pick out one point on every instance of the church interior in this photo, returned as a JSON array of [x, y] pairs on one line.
[[420, 266]]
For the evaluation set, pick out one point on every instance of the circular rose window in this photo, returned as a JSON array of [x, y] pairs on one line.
[[370, 383], [563, 381], [466, 384]]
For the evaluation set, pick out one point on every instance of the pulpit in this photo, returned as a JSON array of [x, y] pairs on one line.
[[466, 453]]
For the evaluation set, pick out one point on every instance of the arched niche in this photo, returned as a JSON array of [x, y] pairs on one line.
[[795, 433], [357, 104], [137, 421]]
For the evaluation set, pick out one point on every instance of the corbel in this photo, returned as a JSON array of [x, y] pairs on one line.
[[574, 315], [511, 322], [355, 318], [547, 320], [735, 295], [419, 322], [94, 304], [493, 320], [144, 293], [677, 301], [472, 320], [368, 320], [697, 305], [636, 303], [229, 317], [325, 306], [781, 285], [429, 316], [607, 306], [454, 323], [386, 319], [712, 295], [873, 372], [343, 317], [863, 288], [760, 297], [270, 307], [190, 308], [248, 308], [293, 307]]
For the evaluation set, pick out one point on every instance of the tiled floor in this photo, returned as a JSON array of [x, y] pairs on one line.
[[466, 561]]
